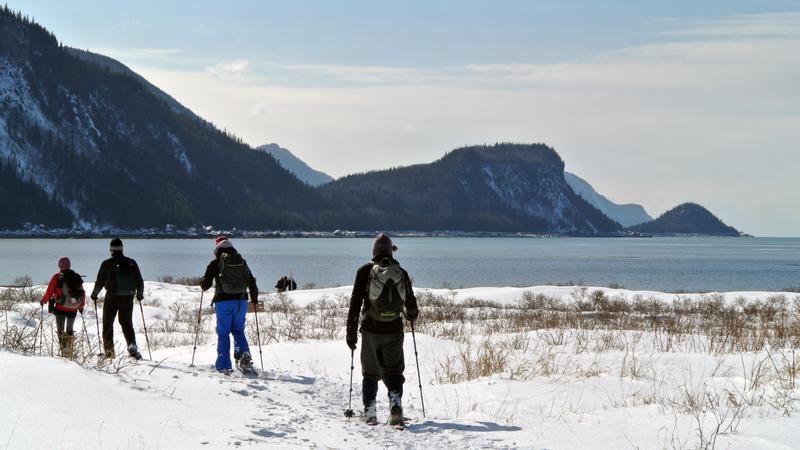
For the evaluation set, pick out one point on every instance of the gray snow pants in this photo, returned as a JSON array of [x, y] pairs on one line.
[[382, 359]]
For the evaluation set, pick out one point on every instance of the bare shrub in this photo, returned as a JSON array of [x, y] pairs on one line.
[[186, 281]]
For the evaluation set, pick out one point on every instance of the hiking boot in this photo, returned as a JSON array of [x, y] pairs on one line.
[[109, 353], [133, 352], [68, 349], [371, 414], [62, 344]]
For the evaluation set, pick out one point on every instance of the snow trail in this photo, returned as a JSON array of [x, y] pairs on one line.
[[164, 403]]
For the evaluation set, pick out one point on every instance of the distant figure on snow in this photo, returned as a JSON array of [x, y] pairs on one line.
[[381, 293], [65, 297], [232, 279], [286, 284], [122, 280]]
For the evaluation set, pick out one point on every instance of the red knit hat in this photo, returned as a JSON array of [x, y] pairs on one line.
[[219, 239], [64, 263]]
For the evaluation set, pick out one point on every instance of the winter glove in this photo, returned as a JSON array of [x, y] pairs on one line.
[[352, 340], [412, 315], [254, 300], [93, 297], [80, 310], [43, 302], [139, 298]]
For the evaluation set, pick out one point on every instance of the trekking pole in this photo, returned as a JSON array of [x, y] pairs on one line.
[[144, 324], [100, 350], [41, 329], [197, 328], [35, 332], [416, 358], [349, 412], [53, 339], [85, 333], [258, 336]]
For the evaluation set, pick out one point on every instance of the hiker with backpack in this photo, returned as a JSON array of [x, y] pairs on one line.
[[65, 297], [382, 292], [232, 280], [122, 280]]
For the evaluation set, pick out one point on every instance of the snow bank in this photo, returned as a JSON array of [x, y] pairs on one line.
[[170, 293]]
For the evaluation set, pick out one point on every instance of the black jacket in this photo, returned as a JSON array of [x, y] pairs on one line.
[[212, 277], [105, 276], [359, 303]]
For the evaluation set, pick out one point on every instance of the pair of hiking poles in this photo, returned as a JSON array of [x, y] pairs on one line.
[[349, 411], [39, 332], [197, 331]]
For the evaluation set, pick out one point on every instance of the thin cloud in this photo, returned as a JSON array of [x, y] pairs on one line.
[[139, 53], [751, 25], [229, 69]]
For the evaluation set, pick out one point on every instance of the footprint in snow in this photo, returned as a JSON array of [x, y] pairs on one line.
[[269, 434]]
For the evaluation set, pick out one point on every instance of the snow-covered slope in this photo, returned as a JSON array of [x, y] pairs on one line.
[[626, 215], [296, 165], [88, 139]]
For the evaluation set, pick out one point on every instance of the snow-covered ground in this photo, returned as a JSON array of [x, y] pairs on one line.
[[551, 388]]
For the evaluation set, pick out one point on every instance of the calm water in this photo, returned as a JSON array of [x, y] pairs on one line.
[[691, 264]]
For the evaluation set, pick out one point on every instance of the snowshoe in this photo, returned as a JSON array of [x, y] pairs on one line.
[[396, 410], [396, 417], [225, 371], [371, 415]]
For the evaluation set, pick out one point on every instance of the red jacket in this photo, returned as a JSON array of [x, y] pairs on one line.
[[54, 291]]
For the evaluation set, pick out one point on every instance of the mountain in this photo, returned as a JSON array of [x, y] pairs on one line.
[[505, 187], [92, 144], [626, 215], [295, 165], [87, 143], [688, 218]]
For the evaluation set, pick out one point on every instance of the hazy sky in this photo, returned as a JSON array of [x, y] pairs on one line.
[[652, 102]]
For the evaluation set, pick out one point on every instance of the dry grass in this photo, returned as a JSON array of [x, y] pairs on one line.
[[186, 281]]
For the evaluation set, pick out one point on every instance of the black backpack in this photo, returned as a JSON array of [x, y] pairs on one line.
[[72, 292], [234, 275], [124, 281]]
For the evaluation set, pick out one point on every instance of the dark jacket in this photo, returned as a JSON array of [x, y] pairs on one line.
[[212, 276], [106, 275], [359, 304]]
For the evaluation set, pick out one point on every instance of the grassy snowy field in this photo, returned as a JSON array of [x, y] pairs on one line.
[[539, 367]]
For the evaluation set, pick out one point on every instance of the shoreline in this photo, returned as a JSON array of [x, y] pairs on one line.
[[338, 234]]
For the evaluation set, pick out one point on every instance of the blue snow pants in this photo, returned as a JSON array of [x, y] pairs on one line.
[[230, 320]]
